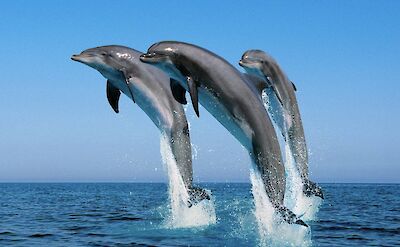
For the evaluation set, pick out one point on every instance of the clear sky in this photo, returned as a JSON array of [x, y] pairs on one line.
[[56, 124]]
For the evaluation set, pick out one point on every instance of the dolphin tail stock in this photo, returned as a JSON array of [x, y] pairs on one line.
[[310, 188], [196, 195], [179, 140], [274, 183]]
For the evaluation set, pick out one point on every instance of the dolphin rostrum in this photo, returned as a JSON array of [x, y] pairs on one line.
[[150, 88], [222, 90], [283, 109]]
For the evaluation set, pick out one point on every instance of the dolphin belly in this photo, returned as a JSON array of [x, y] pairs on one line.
[[238, 129], [159, 114]]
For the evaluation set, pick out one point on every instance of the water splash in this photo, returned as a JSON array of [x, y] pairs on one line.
[[272, 231], [304, 207], [195, 151], [181, 216]]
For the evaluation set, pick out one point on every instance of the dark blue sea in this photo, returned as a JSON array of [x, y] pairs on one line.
[[132, 214]]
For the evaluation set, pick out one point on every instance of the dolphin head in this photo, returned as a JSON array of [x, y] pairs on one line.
[[252, 61], [112, 62], [161, 52], [259, 63], [164, 56], [108, 60], [168, 57]]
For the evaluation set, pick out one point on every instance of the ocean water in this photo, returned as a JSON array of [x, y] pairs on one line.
[[135, 214]]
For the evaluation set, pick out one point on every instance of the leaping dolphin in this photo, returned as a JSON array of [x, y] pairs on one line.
[[150, 88], [222, 90], [284, 110]]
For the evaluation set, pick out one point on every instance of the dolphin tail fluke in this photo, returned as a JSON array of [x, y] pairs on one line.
[[312, 189], [289, 217], [196, 195]]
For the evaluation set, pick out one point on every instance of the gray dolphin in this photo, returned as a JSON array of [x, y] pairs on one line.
[[222, 90], [150, 88], [284, 110]]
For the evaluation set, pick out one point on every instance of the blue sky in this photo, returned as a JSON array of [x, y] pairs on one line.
[[56, 124]]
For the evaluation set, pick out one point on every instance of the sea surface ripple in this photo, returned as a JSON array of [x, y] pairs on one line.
[[133, 214]]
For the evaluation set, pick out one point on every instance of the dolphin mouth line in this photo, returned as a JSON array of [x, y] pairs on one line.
[[80, 57], [150, 57], [75, 58], [246, 63]]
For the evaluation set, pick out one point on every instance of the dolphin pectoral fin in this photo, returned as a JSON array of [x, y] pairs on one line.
[[196, 195], [178, 91], [192, 87], [294, 86], [127, 81], [193, 94], [113, 95], [130, 91]]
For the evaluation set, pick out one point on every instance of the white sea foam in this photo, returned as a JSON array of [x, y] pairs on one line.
[[304, 207], [272, 231], [201, 214]]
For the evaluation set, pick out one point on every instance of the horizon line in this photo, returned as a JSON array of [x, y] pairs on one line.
[[160, 182]]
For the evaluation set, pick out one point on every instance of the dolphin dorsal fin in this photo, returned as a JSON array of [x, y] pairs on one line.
[[113, 95], [294, 86], [193, 94], [178, 91]]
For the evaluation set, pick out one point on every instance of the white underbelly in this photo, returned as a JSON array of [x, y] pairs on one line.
[[237, 128], [153, 108]]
